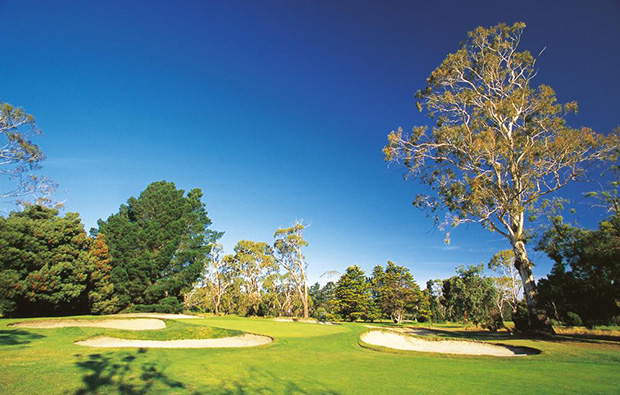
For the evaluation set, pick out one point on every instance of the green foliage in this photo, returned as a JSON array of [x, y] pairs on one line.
[[158, 244], [321, 299], [288, 246], [433, 299], [521, 318], [20, 156], [470, 296], [498, 145], [49, 266], [573, 319], [254, 263], [353, 296], [585, 278], [397, 294]]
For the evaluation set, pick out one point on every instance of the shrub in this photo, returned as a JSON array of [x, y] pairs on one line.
[[424, 315], [321, 314], [493, 322], [170, 305], [333, 317], [573, 319], [521, 318]]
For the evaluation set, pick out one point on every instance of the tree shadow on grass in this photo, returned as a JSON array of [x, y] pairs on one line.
[[277, 385], [131, 373], [17, 336], [127, 373]]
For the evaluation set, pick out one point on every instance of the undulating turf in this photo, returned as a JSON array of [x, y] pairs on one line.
[[304, 359]]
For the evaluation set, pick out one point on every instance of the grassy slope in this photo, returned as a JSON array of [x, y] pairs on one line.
[[305, 359]]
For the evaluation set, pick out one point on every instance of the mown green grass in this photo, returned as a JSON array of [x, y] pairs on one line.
[[174, 330], [304, 359]]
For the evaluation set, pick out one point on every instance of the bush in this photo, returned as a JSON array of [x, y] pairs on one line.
[[356, 316], [493, 322], [573, 319], [321, 314], [170, 305], [333, 317], [424, 315], [521, 318]]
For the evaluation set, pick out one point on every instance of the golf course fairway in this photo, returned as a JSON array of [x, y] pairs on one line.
[[302, 359]]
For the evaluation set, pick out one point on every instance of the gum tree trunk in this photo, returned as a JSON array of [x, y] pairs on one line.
[[538, 319], [304, 299]]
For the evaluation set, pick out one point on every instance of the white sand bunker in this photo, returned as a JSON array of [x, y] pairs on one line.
[[132, 325], [156, 315], [247, 340], [403, 342]]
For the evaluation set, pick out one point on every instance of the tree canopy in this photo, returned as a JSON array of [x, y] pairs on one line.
[[288, 248], [499, 143], [397, 293], [20, 157], [49, 266], [585, 279], [158, 245], [353, 296], [470, 296]]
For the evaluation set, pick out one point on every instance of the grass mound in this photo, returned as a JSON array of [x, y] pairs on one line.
[[175, 330]]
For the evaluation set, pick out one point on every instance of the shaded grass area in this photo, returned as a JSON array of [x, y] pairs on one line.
[[17, 336], [305, 359]]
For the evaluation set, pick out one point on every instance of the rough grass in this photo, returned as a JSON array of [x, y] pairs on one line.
[[305, 359], [581, 330]]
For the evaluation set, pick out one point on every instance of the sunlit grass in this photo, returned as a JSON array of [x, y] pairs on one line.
[[304, 359]]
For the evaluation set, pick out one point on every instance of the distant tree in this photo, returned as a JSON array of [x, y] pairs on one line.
[[322, 299], [219, 276], [509, 288], [434, 295], [499, 144], [271, 299], [49, 266], [287, 246], [253, 262], [321, 296], [286, 294], [158, 243], [397, 293], [353, 295], [20, 157], [470, 296]]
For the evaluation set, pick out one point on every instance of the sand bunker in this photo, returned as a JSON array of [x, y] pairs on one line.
[[403, 342], [132, 325], [156, 315], [247, 340]]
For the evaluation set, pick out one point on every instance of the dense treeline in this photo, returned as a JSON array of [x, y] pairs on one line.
[[158, 254], [393, 294], [144, 258], [50, 266], [258, 279], [584, 283]]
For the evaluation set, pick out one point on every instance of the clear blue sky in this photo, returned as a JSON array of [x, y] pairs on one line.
[[278, 110]]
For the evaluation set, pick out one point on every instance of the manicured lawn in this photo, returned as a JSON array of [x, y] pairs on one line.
[[304, 359]]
